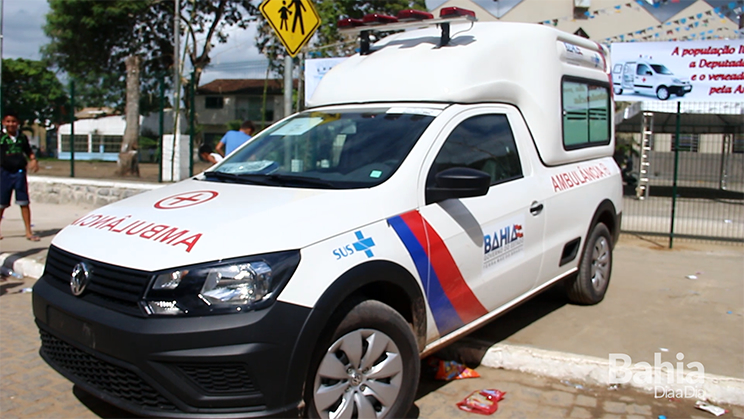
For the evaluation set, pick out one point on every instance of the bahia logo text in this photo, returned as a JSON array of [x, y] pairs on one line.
[[503, 243]]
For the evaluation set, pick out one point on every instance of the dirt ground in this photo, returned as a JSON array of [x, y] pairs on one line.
[[102, 170]]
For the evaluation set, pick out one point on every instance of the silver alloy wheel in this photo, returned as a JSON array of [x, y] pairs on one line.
[[360, 375], [662, 93], [600, 263]]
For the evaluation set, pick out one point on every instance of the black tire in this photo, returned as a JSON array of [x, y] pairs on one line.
[[344, 377], [662, 93], [590, 284], [618, 90]]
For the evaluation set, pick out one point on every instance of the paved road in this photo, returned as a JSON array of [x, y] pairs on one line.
[[651, 305], [31, 389]]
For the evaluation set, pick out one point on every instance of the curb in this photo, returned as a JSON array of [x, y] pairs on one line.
[[26, 266], [596, 371], [541, 362]]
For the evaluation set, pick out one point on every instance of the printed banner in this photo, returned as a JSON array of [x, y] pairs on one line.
[[315, 69], [682, 70]]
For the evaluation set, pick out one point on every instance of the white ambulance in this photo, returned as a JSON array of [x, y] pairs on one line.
[[438, 180], [647, 77]]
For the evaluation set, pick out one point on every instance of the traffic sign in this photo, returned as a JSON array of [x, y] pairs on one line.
[[294, 21]]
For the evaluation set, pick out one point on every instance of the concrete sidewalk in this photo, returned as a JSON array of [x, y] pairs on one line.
[[661, 303]]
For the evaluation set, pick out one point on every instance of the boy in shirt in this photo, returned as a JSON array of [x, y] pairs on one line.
[[14, 148]]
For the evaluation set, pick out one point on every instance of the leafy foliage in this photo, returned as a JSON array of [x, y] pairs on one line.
[[328, 42], [33, 91], [91, 39]]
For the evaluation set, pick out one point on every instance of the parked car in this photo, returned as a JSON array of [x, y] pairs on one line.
[[433, 184]]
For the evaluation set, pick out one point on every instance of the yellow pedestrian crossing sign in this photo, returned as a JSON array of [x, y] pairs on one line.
[[294, 21]]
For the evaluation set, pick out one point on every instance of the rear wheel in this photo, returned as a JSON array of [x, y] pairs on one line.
[[369, 368], [590, 284]]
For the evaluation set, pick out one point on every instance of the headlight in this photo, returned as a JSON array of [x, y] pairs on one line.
[[676, 81], [226, 286]]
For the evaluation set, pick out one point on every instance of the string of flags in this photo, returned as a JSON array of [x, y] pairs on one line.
[[680, 29]]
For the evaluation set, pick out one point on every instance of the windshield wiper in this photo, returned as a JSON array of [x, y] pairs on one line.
[[299, 180], [238, 178], [269, 179]]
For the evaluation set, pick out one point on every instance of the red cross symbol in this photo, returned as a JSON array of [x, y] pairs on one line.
[[186, 199]]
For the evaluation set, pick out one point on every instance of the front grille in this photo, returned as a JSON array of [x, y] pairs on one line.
[[110, 286], [223, 378], [110, 379]]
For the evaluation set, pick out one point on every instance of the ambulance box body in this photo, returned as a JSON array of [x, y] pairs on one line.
[[429, 188]]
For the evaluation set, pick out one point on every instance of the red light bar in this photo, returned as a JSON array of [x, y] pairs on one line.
[[349, 23], [455, 11], [376, 18], [409, 15]]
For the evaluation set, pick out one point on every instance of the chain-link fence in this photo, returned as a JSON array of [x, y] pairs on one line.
[[690, 187]]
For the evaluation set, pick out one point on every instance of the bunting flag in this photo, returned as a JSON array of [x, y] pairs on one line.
[[654, 33]]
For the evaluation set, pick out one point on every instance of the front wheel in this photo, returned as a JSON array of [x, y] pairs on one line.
[[590, 284], [662, 93], [368, 369]]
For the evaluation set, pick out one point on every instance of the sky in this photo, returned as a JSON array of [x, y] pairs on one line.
[[23, 35]]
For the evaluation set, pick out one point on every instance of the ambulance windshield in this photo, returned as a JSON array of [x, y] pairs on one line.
[[344, 150], [660, 69]]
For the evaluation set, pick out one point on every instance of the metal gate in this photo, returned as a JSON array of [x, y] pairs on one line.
[[688, 185]]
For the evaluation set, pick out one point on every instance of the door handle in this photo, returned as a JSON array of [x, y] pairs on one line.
[[536, 208]]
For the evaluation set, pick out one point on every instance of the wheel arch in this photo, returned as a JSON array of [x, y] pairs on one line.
[[607, 215], [379, 280]]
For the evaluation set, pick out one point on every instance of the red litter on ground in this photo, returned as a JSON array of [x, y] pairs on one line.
[[450, 370], [484, 401]]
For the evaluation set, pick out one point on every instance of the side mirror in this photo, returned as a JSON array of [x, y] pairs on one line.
[[458, 182]]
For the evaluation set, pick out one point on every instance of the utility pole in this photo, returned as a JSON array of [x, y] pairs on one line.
[[175, 174], [287, 85], [2, 3]]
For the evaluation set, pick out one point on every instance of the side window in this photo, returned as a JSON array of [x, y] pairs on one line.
[[214, 102], [586, 115], [642, 70], [483, 142]]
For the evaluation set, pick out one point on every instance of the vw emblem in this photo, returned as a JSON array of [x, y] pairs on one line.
[[79, 278]]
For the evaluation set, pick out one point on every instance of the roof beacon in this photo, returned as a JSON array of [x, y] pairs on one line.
[[405, 19], [413, 15], [378, 19], [349, 23], [456, 11]]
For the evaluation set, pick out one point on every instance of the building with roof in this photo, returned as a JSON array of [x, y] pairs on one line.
[[608, 21], [224, 100]]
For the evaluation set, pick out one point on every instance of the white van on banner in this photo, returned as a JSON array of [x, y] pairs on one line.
[[679, 70]]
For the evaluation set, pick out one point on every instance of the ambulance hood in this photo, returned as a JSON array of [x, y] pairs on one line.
[[197, 221]]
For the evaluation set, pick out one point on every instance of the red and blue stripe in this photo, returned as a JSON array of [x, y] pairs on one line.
[[452, 302]]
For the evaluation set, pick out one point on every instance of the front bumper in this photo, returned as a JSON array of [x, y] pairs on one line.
[[233, 365], [683, 89]]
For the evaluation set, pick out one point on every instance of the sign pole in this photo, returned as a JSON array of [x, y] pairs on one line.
[[287, 85]]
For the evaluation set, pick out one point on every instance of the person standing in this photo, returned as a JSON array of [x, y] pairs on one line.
[[234, 139], [14, 148]]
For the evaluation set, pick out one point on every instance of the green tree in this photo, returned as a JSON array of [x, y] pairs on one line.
[[133, 41], [33, 91], [328, 42]]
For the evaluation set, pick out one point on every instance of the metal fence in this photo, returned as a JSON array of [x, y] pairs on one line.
[[703, 199]]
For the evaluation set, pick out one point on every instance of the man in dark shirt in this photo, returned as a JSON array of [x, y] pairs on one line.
[[14, 148]]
